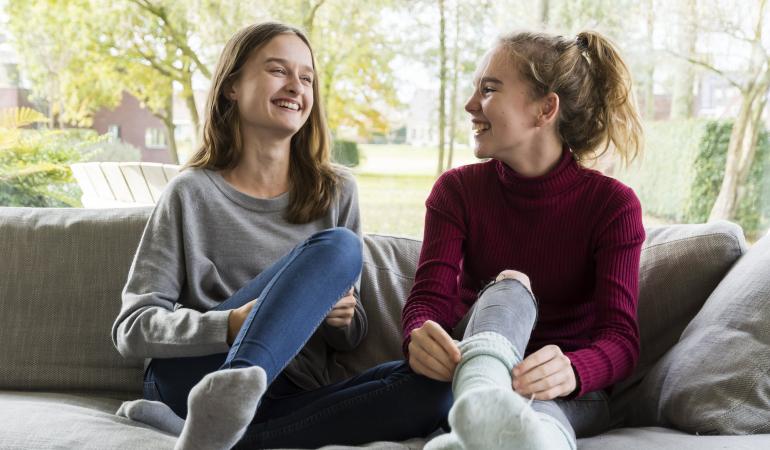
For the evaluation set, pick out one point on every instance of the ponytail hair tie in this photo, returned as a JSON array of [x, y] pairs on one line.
[[582, 43]]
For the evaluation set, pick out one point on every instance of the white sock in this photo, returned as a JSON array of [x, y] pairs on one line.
[[487, 412], [220, 408], [154, 414]]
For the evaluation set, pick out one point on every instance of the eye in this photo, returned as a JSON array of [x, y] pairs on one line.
[[278, 70], [486, 90], [307, 79]]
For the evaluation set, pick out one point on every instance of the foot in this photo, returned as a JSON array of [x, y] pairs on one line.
[[495, 418], [220, 408], [155, 414]]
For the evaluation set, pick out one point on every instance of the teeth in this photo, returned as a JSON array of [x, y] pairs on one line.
[[290, 105], [479, 128]]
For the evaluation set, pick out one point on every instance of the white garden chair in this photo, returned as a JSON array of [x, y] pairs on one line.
[[122, 184]]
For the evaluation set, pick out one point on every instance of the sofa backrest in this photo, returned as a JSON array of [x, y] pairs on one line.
[[62, 271], [61, 274]]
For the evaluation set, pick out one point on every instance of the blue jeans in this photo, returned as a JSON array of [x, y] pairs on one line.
[[294, 295]]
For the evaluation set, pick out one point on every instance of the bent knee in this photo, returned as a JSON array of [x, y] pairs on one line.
[[514, 275]]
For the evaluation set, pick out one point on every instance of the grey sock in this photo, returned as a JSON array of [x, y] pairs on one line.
[[487, 413], [220, 408], [154, 414]]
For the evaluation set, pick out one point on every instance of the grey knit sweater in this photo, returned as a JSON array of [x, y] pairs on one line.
[[204, 241]]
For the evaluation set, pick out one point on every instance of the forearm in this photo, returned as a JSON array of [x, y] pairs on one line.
[[155, 332]]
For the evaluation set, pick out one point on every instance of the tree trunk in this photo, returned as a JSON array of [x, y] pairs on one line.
[[442, 87], [649, 72], [741, 150], [168, 121], [453, 95], [189, 97], [683, 97], [544, 9]]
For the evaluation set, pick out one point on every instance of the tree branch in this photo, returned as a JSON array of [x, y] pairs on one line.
[[709, 67], [308, 21], [178, 37]]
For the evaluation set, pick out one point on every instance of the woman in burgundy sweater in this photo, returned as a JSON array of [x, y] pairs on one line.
[[560, 244]]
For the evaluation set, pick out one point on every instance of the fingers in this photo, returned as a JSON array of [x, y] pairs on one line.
[[432, 355], [425, 364], [432, 352], [547, 374], [443, 339], [347, 301], [426, 370], [343, 311], [541, 356], [339, 322]]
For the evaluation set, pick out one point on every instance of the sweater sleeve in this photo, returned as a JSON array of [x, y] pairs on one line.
[[614, 350], [150, 323], [347, 338], [435, 294]]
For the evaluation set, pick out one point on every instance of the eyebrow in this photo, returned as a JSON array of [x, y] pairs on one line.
[[286, 62], [490, 80]]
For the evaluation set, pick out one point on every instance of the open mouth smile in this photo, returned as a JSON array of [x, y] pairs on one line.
[[287, 104], [480, 127]]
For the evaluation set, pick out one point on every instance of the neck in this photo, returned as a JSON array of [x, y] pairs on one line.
[[263, 170], [536, 159]]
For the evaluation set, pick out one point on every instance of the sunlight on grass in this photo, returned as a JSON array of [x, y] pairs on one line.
[[395, 180], [393, 183]]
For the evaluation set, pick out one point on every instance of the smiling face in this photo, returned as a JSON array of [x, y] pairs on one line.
[[274, 89], [503, 115]]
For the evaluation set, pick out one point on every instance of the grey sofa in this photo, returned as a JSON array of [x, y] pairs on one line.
[[62, 270]]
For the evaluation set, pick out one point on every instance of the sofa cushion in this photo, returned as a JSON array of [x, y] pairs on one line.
[[387, 277], [667, 439], [42, 420], [58, 421], [716, 379], [62, 273], [679, 268]]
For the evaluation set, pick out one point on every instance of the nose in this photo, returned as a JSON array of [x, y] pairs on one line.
[[295, 86], [473, 104]]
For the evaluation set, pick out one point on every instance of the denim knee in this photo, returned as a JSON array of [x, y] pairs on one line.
[[344, 241]]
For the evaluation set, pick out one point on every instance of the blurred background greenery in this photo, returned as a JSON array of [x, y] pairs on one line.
[[126, 80]]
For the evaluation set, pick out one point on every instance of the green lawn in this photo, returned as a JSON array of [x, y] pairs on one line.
[[395, 180], [393, 183]]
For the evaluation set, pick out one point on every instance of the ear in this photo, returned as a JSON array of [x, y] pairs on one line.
[[549, 109], [230, 91]]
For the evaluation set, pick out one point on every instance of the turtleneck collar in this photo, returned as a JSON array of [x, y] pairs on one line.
[[564, 176]]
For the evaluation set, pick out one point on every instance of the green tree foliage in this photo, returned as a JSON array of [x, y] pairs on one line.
[[52, 37], [82, 54], [34, 164], [753, 211]]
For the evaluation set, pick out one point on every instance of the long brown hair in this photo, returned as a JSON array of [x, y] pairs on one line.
[[597, 107], [313, 179]]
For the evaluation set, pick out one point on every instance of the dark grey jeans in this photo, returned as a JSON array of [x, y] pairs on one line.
[[507, 307]]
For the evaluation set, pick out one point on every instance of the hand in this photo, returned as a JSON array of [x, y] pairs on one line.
[[432, 352], [547, 373], [235, 320], [342, 314]]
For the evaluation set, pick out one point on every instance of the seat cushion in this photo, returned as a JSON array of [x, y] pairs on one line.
[[60, 421], [668, 439], [680, 266], [715, 380]]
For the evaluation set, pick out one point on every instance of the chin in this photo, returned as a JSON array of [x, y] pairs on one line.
[[480, 153]]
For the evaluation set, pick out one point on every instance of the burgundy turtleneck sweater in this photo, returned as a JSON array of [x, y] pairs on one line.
[[576, 233]]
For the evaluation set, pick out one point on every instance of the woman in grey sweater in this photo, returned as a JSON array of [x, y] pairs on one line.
[[244, 283]]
